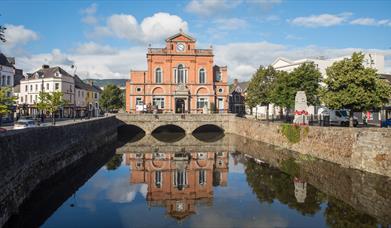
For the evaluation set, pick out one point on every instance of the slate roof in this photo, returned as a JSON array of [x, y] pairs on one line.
[[79, 84], [242, 85], [49, 73], [4, 60]]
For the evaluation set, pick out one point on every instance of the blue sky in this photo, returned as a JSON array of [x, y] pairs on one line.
[[106, 39]]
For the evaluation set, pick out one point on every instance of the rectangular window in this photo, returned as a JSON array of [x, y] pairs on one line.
[[180, 178], [159, 102], [36, 87], [158, 179], [47, 86], [9, 80], [31, 88], [139, 101], [218, 76], [31, 98], [26, 88], [202, 177], [96, 95], [21, 99], [56, 86], [202, 102], [78, 93]]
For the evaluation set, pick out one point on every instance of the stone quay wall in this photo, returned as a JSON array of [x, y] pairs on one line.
[[366, 192], [366, 149], [30, 156]]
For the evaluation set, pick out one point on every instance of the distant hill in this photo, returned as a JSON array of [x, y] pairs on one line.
[[105, 82]]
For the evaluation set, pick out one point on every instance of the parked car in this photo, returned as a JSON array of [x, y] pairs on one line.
[[2, 130], [337, 117], [386, 123], [26, 123]]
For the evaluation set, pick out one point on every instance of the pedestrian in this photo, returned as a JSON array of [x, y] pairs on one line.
[[365, 120]]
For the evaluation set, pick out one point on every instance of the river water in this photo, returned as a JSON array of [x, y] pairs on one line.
[[206, 180]]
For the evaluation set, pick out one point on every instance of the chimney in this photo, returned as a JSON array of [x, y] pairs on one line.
[[236, 82], [45, 66]]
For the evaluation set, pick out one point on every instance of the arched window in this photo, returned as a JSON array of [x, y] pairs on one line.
[[181, 78], [158, 75], [201, 76]]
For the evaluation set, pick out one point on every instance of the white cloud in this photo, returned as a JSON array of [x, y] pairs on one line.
[[92, 48], [293, 37], [209, 7], [90, 63], [151, 30], [58, 58], [89, 14], [322, 20], [230, 23], [370, 22], [17, 36], [161, 25], [265, 4], [243, 59]]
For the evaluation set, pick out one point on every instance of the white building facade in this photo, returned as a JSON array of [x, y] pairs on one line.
[[7, 72], [52, 79]]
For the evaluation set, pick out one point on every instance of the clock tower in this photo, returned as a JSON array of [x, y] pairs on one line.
[[180, 79]]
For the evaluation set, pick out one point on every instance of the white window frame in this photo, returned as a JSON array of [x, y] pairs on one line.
[[199, 76], [205, 101], [160, 104], [202, 176], [176, 74], [139, 99], [159, 70], [158, 179]]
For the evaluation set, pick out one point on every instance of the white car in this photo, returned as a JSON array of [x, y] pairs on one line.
[[337, 117], [21, 124]]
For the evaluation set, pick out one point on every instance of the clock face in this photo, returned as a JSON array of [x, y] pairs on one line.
[[180, 47]]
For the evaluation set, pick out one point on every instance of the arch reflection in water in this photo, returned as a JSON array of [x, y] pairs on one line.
[[179, 181], [130, 133], [169, 133], [208, 133]]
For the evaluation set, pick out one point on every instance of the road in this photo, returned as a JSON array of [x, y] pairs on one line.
[[48, 122]]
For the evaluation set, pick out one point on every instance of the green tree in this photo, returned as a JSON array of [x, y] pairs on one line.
[[282, 92], [114, 162], [111, 98], [259, 89], [2, 31], [351, 85], [51, 102], [6, 101], [305, 78]]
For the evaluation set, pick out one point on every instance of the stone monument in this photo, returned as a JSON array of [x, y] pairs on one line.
[[301, 109]]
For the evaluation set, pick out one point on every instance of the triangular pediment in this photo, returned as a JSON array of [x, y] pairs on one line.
[[281, 62], [181, 37]]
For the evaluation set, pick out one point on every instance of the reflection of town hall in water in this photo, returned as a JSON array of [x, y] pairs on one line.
[[177, 181], [180, 78]]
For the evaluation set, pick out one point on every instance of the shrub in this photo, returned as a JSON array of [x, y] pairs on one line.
[[291, 132]]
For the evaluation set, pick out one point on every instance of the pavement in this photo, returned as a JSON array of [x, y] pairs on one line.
[[59, 122]]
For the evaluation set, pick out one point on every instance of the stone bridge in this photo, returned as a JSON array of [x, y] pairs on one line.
[[188, 122]]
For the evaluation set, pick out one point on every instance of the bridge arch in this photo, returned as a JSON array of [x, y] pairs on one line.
[[169, 133], [130, 133]]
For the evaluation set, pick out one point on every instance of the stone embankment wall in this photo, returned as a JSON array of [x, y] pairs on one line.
[[367, 149], [30, 156], [366, 192]]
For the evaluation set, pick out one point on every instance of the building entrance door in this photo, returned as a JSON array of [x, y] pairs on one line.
[[220, 104], [179, 106]]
